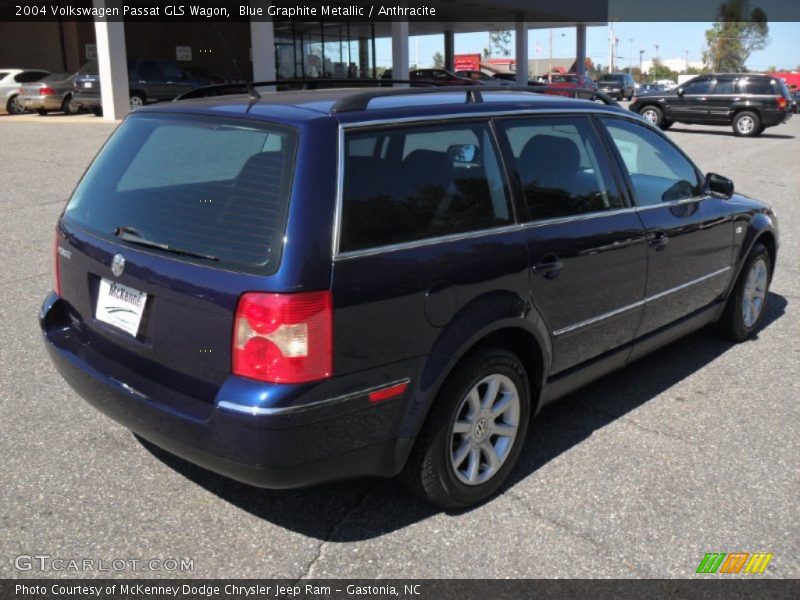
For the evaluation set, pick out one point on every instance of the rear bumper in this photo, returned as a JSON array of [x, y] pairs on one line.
[[280, 448], [87, 101], [770, 118], [41, 102]]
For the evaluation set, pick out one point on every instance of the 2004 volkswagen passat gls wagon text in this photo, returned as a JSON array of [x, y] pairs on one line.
[[294, 287]]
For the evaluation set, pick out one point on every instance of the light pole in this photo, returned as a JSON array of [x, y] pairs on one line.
[[686, 61], [641, 75], [630, 56]]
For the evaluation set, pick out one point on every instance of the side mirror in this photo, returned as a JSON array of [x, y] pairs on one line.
[[679, 91], [719, 185]]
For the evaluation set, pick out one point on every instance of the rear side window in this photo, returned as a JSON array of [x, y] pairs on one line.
[[723, 86], [213, 187], [419, 183], [561, 167], [30, 76], [759, 86], [658, 171]]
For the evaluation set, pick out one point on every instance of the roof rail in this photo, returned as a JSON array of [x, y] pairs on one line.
[[473, 94], [246, 87]]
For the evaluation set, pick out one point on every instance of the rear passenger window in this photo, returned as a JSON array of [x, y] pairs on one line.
[[658, 171], [561, 167], [759, 86], [723, 86], [426, 182]]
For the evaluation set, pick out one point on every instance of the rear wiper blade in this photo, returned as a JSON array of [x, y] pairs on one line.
[[129, 234]]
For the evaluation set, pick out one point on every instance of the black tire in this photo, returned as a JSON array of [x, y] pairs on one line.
[[653, 114], [746, 124], [665, 124], [98, 111], [66, 106], [732, 324], [13, 106], [137, 100], [429, 472], [42, 112]]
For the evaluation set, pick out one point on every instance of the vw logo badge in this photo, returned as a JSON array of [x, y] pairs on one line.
[[117, 265]]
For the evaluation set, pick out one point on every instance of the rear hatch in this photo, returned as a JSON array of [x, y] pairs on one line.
[[177, 216], [87, 80]]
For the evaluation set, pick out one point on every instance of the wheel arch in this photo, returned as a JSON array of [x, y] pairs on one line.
[[498, 319], [761, 230]]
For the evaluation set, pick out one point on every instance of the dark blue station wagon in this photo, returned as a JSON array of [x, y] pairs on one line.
[[295, 287]]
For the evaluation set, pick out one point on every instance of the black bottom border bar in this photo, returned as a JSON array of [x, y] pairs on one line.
[[703, 587]]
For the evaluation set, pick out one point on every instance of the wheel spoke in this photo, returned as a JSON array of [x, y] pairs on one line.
[[474, 463], [491, 393], [460, 454], [502, 405], [504, 429], [491, 455], [462, 427], [474, 401]]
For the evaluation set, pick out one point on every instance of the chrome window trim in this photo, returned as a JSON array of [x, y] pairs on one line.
[[639, 303], [337, 255], [283, 410], [432, 241]]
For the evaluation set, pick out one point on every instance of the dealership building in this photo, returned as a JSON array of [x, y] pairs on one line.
[[265, 49]]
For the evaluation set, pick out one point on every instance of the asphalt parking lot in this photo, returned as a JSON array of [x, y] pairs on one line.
[[693, 449]]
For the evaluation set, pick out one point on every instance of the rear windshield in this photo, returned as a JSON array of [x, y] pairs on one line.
[[611, 78], [211, 187]]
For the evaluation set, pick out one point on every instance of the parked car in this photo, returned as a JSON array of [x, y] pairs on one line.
[[795, 101], [373, 285], [512, 79], [148, 81], [10, 82], [53, 93], [438, 77], [749, 103], [617, 85], [649, 88], [479, 76], [570, 82]]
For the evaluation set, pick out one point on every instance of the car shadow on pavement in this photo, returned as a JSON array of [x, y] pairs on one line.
[[368, 508], [729, 133]]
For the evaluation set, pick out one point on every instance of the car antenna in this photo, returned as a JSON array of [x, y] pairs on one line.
[[254, 94]]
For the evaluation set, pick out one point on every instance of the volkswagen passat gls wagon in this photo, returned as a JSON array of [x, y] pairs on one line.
[[295, 287]]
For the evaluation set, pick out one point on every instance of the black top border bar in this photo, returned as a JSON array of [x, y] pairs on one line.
[[413, 11]]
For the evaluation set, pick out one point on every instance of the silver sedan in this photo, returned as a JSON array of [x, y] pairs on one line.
[[53, 93], [10, 82]]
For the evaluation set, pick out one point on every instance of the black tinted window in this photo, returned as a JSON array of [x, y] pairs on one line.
[[561, 167], [698, 87], [150, 71], [207, 186], [723, 86], [659, 172], [759, 86], [30, 76], [172, 72], [426, 182]]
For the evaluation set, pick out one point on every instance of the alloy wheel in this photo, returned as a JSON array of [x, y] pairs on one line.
[[650, 115], [745, 124], [484, 429], [755, 291], [136, 102]]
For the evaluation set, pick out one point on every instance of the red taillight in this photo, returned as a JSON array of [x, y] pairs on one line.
[[56, 264], [46, 91], [782, 102], [283, 338]]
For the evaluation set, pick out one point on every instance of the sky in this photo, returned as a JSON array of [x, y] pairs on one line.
[[673, 39]]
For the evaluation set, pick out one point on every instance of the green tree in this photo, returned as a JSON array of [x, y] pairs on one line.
[[438, 60], [659, 70], [738, 32], [499, 42]]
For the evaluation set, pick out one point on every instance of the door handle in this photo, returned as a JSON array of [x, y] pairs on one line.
[[659, 241], [550, 266]]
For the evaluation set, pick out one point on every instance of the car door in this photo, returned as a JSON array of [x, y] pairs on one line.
[[721, 98], [689, 232], [691, 101], [176, 80], [149, 78], [586, 245]]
